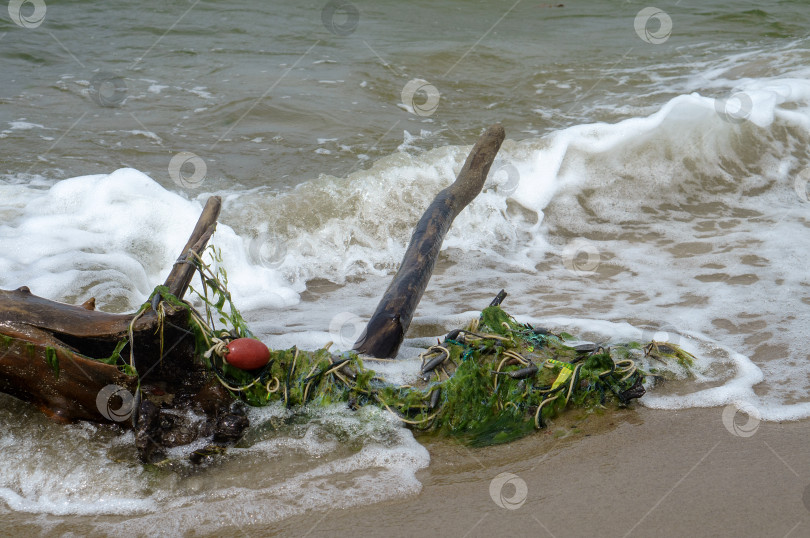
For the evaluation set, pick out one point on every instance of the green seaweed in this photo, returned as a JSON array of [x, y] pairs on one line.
[[115, 357], [52, 359], [478, 402], [500, 380]]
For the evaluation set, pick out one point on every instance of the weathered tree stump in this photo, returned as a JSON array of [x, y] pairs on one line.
[[50, 351]]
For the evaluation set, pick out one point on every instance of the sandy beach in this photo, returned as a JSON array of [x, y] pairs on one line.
[[648, 473], [636, 472]]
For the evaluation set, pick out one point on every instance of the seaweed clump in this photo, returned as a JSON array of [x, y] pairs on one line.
[[491, 382]]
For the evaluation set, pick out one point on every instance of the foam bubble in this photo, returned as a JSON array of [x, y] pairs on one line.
[[310, 470], [114, 237], [66, 469], [286, 465]]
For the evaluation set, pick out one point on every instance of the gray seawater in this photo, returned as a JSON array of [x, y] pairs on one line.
[[251, 87], [655, 174]]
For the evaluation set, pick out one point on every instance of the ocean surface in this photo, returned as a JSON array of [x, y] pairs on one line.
[[653, 185]]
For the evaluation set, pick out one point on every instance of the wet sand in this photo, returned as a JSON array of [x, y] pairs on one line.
[[649, 473], [635, 472]]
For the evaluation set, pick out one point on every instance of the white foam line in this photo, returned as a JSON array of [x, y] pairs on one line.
[[386, 473], [46, 505]]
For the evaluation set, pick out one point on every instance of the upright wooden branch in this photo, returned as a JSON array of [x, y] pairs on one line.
[[182, 272], [390, 322]]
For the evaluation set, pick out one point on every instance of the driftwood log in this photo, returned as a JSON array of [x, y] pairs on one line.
[[390, 321], [49, 351]]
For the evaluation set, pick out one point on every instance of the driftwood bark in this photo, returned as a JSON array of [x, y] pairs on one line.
[[390, 321], [36, 334]]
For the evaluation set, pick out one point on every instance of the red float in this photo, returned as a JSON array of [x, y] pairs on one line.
[[247, 354]]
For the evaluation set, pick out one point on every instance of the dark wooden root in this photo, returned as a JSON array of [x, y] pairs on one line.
[[26, 374], [36, 334], [390, 321]]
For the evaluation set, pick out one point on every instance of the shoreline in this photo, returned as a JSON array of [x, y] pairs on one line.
[[647, 472], [631, 472]]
